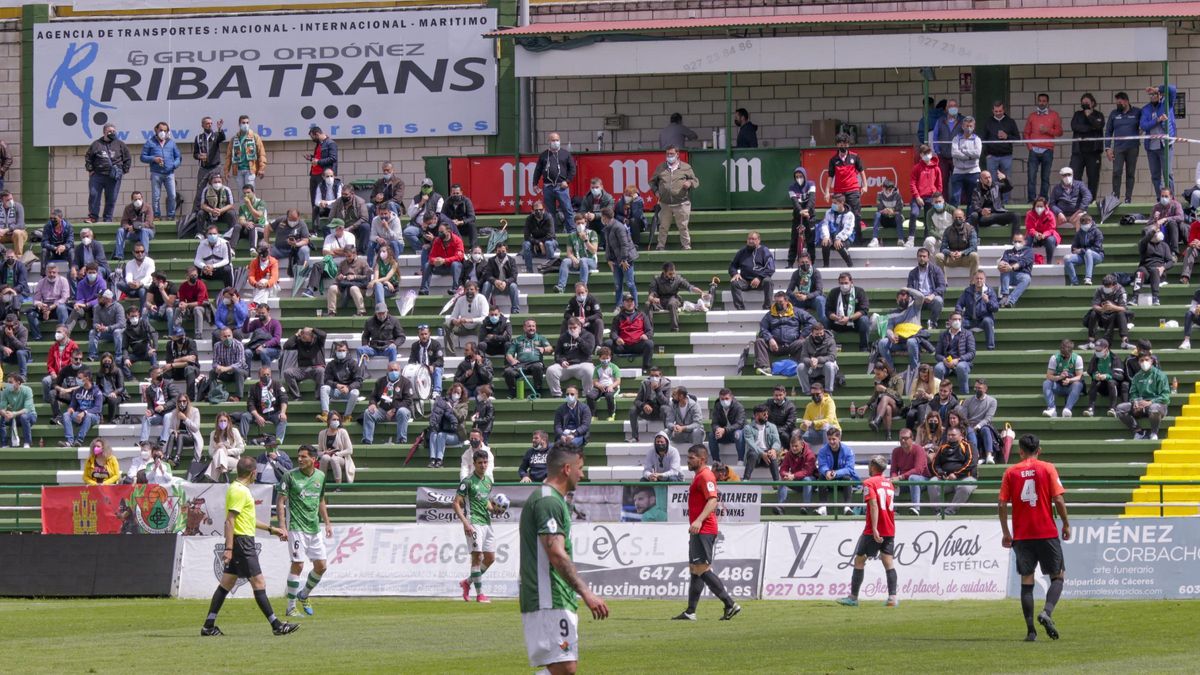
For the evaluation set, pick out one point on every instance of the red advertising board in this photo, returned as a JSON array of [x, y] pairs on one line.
[[84, 509], [881, 162], [490, 179]]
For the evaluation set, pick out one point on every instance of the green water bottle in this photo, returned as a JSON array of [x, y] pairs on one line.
[[521, 388]]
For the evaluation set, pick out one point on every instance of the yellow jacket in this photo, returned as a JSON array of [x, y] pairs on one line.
[[109, 474], [823, 414]]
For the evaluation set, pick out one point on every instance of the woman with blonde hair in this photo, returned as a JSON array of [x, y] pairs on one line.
[[336, 450], [226, 446], [924, 388], [184, 419], [101, 467]]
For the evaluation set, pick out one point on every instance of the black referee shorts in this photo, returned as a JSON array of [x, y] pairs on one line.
[[867, 546], [244, 563], [1032, 553], [700, 548]]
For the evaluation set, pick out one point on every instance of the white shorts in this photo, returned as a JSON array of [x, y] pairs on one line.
[[484, 540], [551, 636], [304, 546]]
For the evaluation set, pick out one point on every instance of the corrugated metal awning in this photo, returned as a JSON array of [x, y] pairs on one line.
[[1147, 11]]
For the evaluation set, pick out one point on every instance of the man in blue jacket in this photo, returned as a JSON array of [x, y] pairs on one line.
[[1158, 118], [1123, 122], [161, 153], [86, 403], [956, 353], [781, 331], [835, 461], [978, 305], [573, 420], [1016, 271], [751, 269]]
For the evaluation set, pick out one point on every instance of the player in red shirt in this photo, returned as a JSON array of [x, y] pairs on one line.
[[1032, 485], [878, 537], [846, 175], [702, 502]]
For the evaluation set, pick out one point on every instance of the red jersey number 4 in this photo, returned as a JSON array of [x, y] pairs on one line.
[[1031, 487]]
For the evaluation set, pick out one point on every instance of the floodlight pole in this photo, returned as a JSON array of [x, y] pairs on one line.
[[728, 138], [1168, 177]]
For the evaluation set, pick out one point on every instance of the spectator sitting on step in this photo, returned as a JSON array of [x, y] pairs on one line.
[[484, 417], [137, 223], [782, 331], [475, 369], [1155, 257], [930, 280], [159, 399], [1087, 247], [661, 463], [387, 189], [1168, 216], [251, 219], [987, 202], [910, 463], [343, 381], [939, 220], [51, 297], [14, 344], [445, 258], [922, 390], [978, 412], [945, 402], [1149, 396], [931, 433], [336, 450], [573, 420], [728, 421], [885, 401], [889, 209], [391, 401], [475, 442], [805, 290], [1064, 377], [651, 402], [226, 445], [111, 381], [1016, 271], [903, 328], [586, 308], [605, 384], [847, 308], [101, 466], [229, 363], [954, 462], [309, 345], [836, 230], [524, 359], [495, 333], [264, 334], [533, 465], [781, 412], [925, 184], [214, 259], [444, 425], [1069, 199], [461, 211], [262, 274], [1107, 315], [1107, 373], [292, 241], [763, 445], [182, 364], [500, 275], [428, 353], [820, 416], [664, 293], [58, 240], [978, 305], [17, 412], [268, 404], [88, 251], [594, 200], [539, 238], [573, 360], [334, 251], [387, 232], [137, 276], [382, 335], [351, 280], [64, 361], [580, 254], [835, 461], [818, 356], [469, 310], [960, 244], [140, 341], [179, 424], [632, 332], [108, 324], [752, 268], [799, 466], [1041, 229], [87, 296], [1191, 251], [232, 312], [684, 423]]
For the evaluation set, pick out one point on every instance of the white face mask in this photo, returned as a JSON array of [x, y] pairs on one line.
[[87, 241], [1085, 226], [1164, 200], [1145, 365], [1018, 245], [387, 176], [454, 397], [293, 223], [672, 159], [926, 157], [574, 333], [953, 112], [162, 135], [956, 325], [60, 336], [571, 399], [596, 192], [245, 128], [845, 287], [217, 185], [1039, 210], [1158, 236], [1066, 180], [137, 203], [335, 424], [581, 297], [555, 145], [328, 181]]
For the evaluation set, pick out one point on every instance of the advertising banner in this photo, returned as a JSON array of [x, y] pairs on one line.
[[205, 509], [84, 509], [202, 566], [936, 560], [642, 560], [882, 162], [1127, 559], [588, 503], [489, 179], [735, 503], [187, 508], [755, 178], [378, 74]]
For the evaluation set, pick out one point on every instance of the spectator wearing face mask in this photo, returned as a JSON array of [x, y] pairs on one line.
[[226, 445], [836, 232], [945, 130], [265, 335], [1087, 128], [180, 424], [1155, 257], [388, 189], [818, 356], [1107, 314], [354, 212], [803, 195], [232, 312], [572, 359], [606, 384], [595, 199], [475, 369], [229, 362], [343, 380], [672, 182], [937, 222], [960, 245], [652, 399], [903, 328], [1190, 320], [494, 333], [387, 232], [664, 293], [847, 310], [1041, 230], [88, 252], [780, 331], [524, 358], [500, 276], [538, 235], [1158, 120], [1168, 216], [1016, 271], [533, 464], [101, 466], [1087, 247], [17, 411], [1191, 252], [554, 171], [468, 312], [1064, 377], [684, 421], [193, 303], [728, 421], [1107, 373], [925, 184], [1043, 126], [1069, 199], [336, 450], [137, 223], [573, 420], [580, 255], [889, 208], [1149, 397], [805, 289], [955, 353], [291, 239], [214, 259], [965, 151], [977, 306], [476, 442], [847, 176], [632, 332], [445, 258], [662, 461], [262, 276], [763, 445], [930, 280]]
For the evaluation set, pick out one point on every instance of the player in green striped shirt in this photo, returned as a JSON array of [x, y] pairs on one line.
[[549, 580], [300, 502], [474, 494]]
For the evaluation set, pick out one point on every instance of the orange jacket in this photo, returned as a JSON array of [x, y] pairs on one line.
[[271, 274]]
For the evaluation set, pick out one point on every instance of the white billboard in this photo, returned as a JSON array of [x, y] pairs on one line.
[[386, 74]]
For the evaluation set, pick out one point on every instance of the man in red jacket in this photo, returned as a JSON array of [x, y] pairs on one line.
[[632, 332], [910, 463], [800, 466], [926, 180], [445, 258]]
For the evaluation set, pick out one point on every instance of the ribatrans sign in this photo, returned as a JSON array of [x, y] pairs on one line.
[[386, 74]]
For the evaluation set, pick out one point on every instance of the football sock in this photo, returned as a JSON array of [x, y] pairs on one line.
[[892, 582], [476, 575], [264, 604], [293, 586], [714, 584], [856, 579], [1027, 605], [695, 587], [214, 607], [313, 580], [1052, 595]]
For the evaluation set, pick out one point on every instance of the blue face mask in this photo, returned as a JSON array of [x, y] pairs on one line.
[[494, 319], [393, 375]]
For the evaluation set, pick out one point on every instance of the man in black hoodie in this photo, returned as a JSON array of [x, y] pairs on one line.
[[585, 307], [999, 127], [500, 274], [539, 236], [555, 170], [728, 420], [572, 358], [495, 332], [309, 345], [1087, 128], [653, 396]]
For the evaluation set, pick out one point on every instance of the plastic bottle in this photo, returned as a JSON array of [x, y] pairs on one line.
[[1174, 385], [812, 141]]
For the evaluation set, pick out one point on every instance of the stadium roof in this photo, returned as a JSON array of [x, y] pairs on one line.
[[1146, 11]]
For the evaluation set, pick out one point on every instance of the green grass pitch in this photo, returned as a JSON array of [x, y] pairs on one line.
[[439, 636]]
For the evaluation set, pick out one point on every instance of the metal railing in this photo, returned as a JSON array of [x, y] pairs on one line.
[[24, 513]]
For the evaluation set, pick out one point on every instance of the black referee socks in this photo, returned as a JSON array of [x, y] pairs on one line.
[[1027, 605], [264, 604], [214, 607]]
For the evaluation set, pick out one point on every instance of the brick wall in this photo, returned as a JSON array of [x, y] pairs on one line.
[[10, 96]]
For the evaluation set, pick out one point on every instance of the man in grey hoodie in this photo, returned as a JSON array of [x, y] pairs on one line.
[[818, 354], [662, 461], [684, 425]]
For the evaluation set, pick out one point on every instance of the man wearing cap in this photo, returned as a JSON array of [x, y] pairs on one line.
[[108, 323], [426, 201], [632, 332], [382, 334], [352, 277], [1069, 199], [14, 344], [468, 312]]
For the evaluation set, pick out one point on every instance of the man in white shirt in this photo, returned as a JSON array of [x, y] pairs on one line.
[[468, 312], [139, 275], [336, 243], [386, 230]]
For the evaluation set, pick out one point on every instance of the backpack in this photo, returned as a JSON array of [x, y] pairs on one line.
[[216, 392], [784, 367]]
